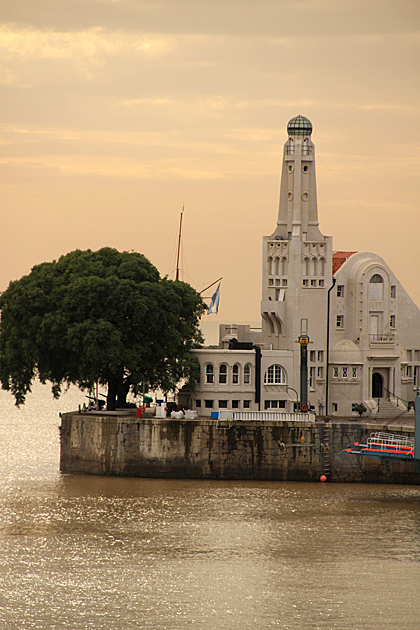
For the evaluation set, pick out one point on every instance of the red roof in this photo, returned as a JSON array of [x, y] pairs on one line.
[[339, 258]]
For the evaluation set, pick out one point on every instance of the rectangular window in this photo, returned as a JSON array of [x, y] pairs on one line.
[[274, 404], [284, 282], [320, 356], [270, 282], [335, 372], [353, 407], [320, 372], [305, 282], [340, 321], [334, 407], [416, 355], [235, 404], [311, 377], [344, 372], [208, 404], [354, 372], [320, 283], [313, 283], [409, 355], [198, 403], [247, 404], [393, 291], [340, 290], [392, 321], [223, 404], [409, 371], [416, 375], [277, 282], [312, 356]]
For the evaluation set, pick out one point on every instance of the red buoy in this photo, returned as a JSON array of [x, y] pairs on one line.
[[323, 478]]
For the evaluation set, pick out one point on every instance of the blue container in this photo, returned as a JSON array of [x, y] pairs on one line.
[[215, 415]]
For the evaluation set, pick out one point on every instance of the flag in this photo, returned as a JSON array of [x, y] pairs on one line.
[[214, 304]]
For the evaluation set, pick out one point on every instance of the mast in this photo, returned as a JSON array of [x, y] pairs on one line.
[[179, 244]]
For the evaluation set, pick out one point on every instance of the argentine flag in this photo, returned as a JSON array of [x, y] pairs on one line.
[[214, 304]]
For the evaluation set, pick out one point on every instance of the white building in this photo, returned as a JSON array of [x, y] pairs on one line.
[[369, 351]]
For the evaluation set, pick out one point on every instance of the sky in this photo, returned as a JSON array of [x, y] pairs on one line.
[[114, 114]]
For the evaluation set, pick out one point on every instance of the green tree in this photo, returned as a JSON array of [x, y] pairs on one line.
[[102, 316]]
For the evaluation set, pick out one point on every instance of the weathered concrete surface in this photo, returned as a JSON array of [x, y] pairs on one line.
[[107, 444]]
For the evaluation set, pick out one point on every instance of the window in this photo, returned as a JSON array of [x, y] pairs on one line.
[[416, 375], [305, 282], [416, 355], [335, 372], [409, 371], [235, 374], [340, 321], [312, 356], [223, 374], [223, 404], [376, 287], [275, 375], [392, 321], [344, 372], [311, 376], [354, 372], [247, 374], [320, 283], [235, 404], [275, 404], [313, 283], [208, 404], [284, 282], [340, 290], [247, 404], [320, 372], [209, 373], [334, 407], [270, 282], [320, 355], [393, 291], [198, 403], [409, 355]]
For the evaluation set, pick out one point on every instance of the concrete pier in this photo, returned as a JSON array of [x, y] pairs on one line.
[[116, 444]]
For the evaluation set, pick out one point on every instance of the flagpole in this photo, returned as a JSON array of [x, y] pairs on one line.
[[179, 244], [210, 285]]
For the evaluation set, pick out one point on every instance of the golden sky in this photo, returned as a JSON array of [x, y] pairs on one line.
[[115, 113]]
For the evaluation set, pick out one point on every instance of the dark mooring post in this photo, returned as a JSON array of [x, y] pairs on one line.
[[304, 341]]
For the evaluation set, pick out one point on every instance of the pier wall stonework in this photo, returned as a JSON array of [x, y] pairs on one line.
[[208, 449]]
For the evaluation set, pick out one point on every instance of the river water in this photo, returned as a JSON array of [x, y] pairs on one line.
[[94, 552]]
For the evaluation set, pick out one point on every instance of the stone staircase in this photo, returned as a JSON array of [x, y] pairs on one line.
[[389, 409]]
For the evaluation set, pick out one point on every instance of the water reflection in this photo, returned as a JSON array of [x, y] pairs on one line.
[[80, 551]]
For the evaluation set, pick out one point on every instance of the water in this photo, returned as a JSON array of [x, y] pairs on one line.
[[89, 552]]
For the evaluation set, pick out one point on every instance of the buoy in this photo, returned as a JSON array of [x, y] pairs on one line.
[[323, 478]]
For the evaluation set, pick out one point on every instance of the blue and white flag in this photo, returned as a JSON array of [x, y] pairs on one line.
[[214, 304]]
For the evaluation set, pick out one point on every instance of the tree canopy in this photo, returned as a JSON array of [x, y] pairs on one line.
[[105, 317]]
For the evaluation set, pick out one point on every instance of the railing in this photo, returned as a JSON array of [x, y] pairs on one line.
[[383, 441], [382, 337], [397, 398], [279, 416]]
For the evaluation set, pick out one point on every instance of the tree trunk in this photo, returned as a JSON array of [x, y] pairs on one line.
[[123, 389], [111, 395]]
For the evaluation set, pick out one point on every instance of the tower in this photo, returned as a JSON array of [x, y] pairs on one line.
[[297, 259]]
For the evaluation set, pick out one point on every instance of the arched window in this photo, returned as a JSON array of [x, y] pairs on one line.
[[247, 374], [209, 373], [376, 287], [306, 267], [223, 373], [235, 374], [275, 375], [314, 266]]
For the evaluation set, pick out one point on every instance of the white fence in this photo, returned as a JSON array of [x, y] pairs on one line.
[[258, 416]]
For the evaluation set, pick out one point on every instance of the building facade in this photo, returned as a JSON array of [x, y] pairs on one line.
[[362, 327]]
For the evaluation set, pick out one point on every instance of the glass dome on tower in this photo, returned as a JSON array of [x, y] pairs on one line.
[[299, 126]]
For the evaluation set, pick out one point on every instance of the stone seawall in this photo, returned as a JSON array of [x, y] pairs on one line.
[[111, 444]]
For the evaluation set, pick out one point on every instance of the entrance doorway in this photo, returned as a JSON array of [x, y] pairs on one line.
[[377, 385]]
